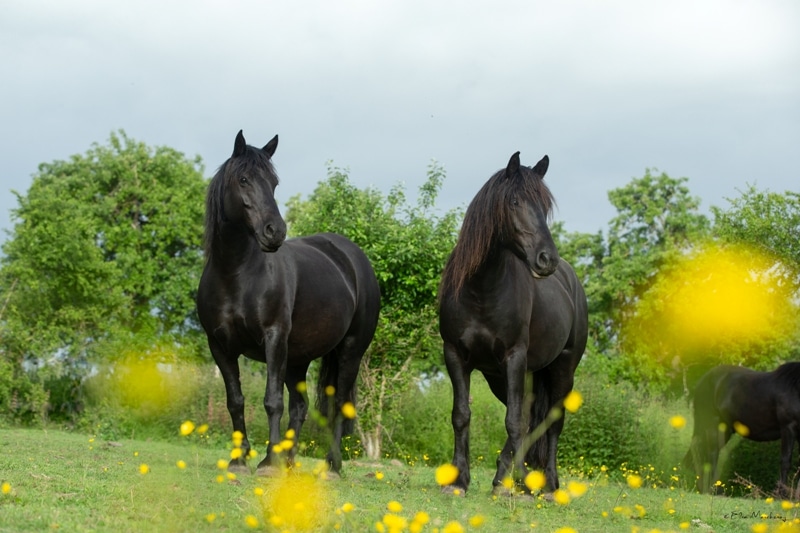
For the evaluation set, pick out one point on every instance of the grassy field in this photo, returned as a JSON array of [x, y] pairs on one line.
[[58, 481]]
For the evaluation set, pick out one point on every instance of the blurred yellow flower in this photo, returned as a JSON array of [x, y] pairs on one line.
[[508, 483], [535, 480], [251, 521], [394, 522], [453, 527], [302, 387], [187, 428], [786, 505], [348, 507], [422, 518], [5, 488], [566, 530], [330, 390], [573, 401], [202, 429], [394, 506], [237, 437], [379, 475], [741, 429], [252, 454], [634, 481], [143, 468], [181, 464], [677, 421], [349, 410], [290, 433], [236, 453], [210, 517], [222, 464], [576, 489], [759, 528], [561, 497], [477, 520]]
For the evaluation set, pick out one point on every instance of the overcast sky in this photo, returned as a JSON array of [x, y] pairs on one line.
[[709, 90]]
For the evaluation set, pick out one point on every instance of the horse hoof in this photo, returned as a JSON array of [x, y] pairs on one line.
[[455, 491], [330, 475], [238, 469], [548, 497], [269, 471]]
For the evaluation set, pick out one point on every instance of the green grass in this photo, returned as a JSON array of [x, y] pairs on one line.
[[70, 482]]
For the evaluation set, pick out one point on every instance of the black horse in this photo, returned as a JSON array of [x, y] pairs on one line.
[[761, 406], [283, 303], [509, 307]]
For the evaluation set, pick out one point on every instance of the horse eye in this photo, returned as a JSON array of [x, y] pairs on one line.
[[514, 201], [243, 180]]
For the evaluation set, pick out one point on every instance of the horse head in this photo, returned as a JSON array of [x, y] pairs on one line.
[[249, 193], [529, 203]]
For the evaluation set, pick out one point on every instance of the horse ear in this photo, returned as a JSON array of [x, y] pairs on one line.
[[239, 145], [513, 165], [270, 147], [541, 166]]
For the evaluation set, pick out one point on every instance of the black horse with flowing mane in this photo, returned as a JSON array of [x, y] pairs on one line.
[[511, 307], [282, 303], [760, 406]]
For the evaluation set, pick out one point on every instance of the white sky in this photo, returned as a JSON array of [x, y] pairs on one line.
[[707, 89]]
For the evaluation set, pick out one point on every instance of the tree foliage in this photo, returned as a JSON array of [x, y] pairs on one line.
[[407, 246], [105, 243], [656, 219]]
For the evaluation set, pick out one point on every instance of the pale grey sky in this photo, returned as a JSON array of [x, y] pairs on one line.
[[705, 89]]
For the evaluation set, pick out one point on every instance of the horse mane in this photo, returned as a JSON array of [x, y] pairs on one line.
[[488, 222], [789, 374], [252, 159]]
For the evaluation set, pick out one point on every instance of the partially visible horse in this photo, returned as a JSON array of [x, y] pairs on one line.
[[511, 307], [282, 303], [761, 406]]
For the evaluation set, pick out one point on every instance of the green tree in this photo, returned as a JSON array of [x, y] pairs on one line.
[[766, 221], [407, 246], [104, 244]]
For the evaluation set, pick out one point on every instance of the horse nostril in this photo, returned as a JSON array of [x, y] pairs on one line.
[[543, 260]]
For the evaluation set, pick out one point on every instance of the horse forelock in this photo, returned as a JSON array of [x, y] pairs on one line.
[[488, 221], [252, 159]]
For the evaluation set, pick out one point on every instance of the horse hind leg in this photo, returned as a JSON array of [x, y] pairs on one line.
[[339, 371]]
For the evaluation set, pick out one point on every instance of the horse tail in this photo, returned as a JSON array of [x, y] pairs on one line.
[[326, 402], [704, 414], [537, 455]]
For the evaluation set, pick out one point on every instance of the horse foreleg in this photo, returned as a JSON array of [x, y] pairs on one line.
[[460, 378], [276, 355], [229, 368], [298, 407], [512, 457]]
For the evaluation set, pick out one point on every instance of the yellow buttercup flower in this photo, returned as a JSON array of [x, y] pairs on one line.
[[634, 481], [561, 497], [349, 410], [181, 464], [348, 507], [477, 520], [5, 488], [741, 429], [222, 464], [251, 521], [187, 428], [576, 489], [446, 474], [144, 469], [453, 527], [677, 421], [535, 480], [573, 401], [394, 506]]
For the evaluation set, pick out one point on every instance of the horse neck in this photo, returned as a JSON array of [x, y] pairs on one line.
[[491, 280], [233, 246]]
